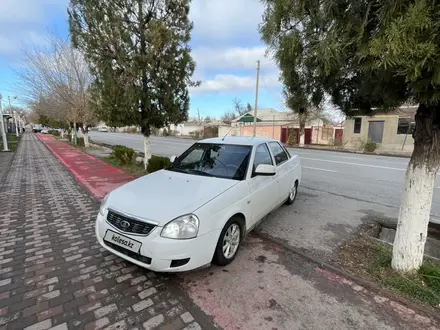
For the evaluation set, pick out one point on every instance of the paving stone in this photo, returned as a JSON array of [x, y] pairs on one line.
[[142, 305], [187, 317], [53, 273]]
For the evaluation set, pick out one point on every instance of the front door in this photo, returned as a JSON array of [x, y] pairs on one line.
[[375, 131], [284, 174], [264, 189]]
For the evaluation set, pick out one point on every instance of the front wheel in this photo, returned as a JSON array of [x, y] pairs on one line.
[[228, 243], [292, 194]]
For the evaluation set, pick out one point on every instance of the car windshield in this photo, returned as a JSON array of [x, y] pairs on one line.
[[217, 160]]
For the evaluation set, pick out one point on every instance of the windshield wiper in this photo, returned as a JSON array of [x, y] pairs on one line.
[[198, 172], [176, 169]]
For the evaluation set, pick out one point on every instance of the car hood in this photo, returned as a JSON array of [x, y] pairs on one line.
[[165, 195]]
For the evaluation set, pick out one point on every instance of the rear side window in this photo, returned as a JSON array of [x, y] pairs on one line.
[[278, 152]]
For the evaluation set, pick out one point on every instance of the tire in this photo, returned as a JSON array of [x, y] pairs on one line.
[[292, 194], [222, 258]]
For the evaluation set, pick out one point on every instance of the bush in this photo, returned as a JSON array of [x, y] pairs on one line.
[[54, 132], [80, 141], [132, 130], [291, 140], [195, 134], [157, 163], [125, 155], [165, 132], [370, 146]]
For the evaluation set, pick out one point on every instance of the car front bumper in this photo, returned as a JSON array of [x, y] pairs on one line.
[[159, 251]]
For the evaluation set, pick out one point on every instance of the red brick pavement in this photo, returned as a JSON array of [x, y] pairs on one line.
[[98, 177], [55, 275]]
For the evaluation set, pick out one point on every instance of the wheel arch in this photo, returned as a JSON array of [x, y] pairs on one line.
[[242, 221]]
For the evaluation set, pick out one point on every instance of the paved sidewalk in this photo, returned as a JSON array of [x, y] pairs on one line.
[[53, 273], [5, 162], [98, 177]]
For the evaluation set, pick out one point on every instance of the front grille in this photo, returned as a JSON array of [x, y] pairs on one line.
[[134, 227], [128, 253]]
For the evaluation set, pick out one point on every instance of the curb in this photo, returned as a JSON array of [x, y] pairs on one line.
[[110, 146], [350, 152], [70, 172], [371, 286], [89, 190]]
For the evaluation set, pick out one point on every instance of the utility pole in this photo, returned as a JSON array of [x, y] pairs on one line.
[[256, 98], [15, 115], [2, 127]]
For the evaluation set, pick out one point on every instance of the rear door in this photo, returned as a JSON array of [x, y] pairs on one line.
[[284, 179], [263, 189]]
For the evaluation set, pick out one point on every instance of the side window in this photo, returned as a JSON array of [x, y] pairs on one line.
[[262, 156], [278, 152]]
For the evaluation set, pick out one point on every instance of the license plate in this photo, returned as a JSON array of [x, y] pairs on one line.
[[122, 241]]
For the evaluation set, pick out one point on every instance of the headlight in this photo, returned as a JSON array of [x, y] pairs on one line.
[[183, 227], [103, 206]]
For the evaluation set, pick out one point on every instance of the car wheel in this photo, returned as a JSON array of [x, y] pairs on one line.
[[292, 194], [228, 242]]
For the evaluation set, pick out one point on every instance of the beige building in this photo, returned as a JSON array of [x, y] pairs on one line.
[[391, 131]]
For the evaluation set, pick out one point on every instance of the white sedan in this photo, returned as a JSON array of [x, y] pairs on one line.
[[199, 209]]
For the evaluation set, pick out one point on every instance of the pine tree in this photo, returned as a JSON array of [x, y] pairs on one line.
[[139, 55], [365, 55]]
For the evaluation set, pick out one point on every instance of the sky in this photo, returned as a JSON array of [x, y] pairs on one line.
[[225, 45]]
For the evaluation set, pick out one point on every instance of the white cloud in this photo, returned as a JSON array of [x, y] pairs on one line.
[[232, 58], [224, 19], [27, 11], [229, 83], [25, 22]]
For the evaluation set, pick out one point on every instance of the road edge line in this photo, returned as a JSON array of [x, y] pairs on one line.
[[350, 152]]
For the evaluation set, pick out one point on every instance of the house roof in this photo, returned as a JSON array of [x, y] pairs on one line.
[[265, 115], [404, 111]]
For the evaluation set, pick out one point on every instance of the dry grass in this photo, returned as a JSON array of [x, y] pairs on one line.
[[367, 258]]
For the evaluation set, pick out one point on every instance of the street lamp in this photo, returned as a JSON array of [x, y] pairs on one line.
[[2, 127]]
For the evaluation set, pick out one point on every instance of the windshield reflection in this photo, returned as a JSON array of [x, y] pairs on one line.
[[216, 160]]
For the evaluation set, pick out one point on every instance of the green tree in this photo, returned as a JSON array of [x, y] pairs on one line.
[[139, 54], [365, 55]]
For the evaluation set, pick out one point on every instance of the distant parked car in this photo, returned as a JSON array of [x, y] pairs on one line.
[[200, 208], [102, 129]]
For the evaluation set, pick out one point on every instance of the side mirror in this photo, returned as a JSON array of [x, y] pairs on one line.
[[265, 170], [172, 158]]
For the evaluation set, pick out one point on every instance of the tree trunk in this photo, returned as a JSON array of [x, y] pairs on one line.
[[415, 209], [86, 138], [85, 133], [302, 124], [147, 151], [75, 133]]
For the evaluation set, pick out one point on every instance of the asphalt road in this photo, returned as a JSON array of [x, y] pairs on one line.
[[359, 178]]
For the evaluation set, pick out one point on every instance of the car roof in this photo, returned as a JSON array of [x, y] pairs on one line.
[[239, 140]]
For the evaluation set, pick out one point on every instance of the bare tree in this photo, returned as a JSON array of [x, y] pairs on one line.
[[228, 116], [56, 81]]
